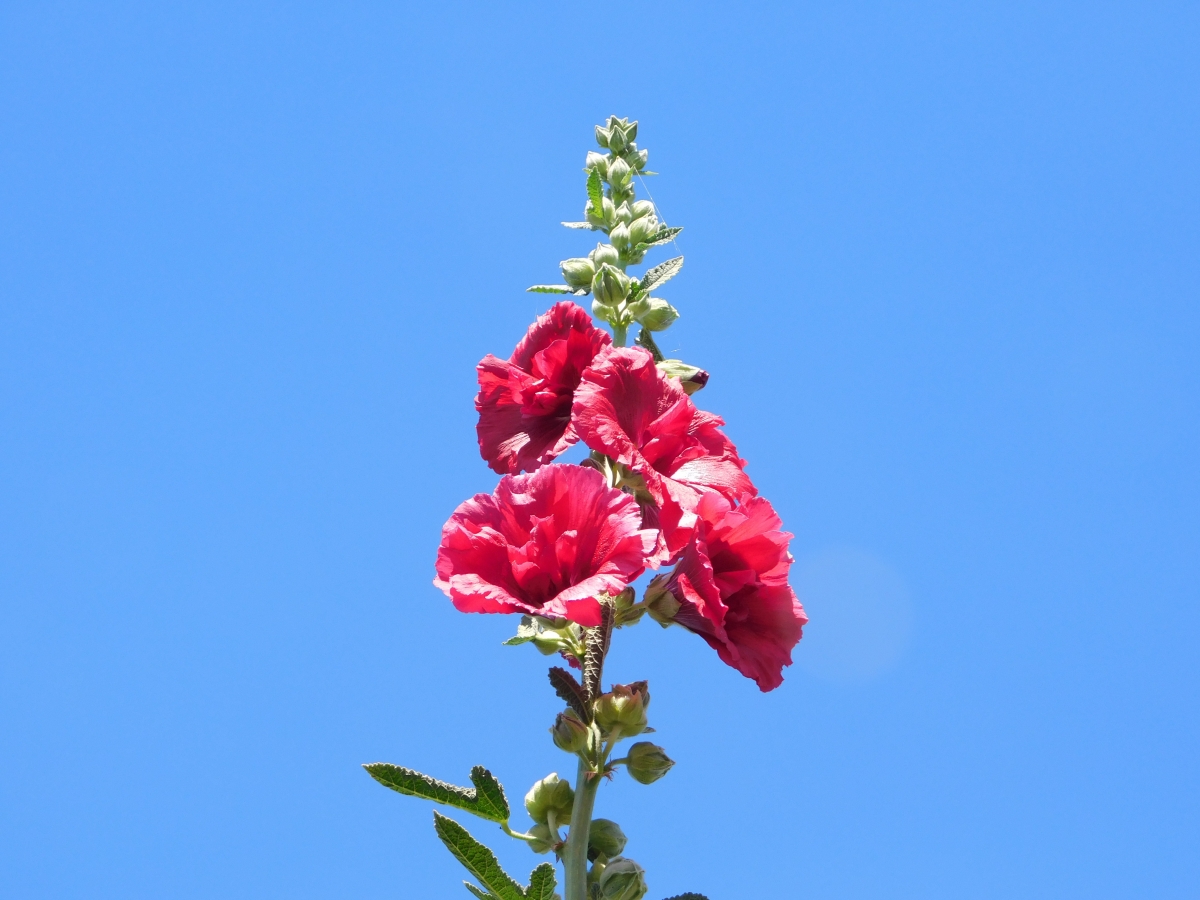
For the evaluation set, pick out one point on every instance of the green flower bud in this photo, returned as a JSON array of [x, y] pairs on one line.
[[691, 377], [623, 612], [647, 763], [660, 602], [620, 236], [616, 139], [623, 879], [602, 134], [604, 311], [625, 213], [641, 208], [579, 272], [619, 173], [637, 160], [659, 314], [597, 161], [550, 795], [623, 707], [605, 217], [605, 838], [610, 286], [631, 130], [643, 229], [604, 253], [570, 734], [543, 839]]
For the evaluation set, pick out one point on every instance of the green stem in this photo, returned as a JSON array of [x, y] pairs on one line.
[[519, 835], [575, 853], [620, 333]]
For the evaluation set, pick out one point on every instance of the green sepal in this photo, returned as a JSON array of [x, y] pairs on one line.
[[595, 192], [477, 859], [662, 236], [571, 692], [526, 632], [542, 883], [550, 289], [485, 800], [661, 273]]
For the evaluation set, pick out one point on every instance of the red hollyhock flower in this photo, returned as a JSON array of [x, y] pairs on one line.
[[524, 402], [546, 544], [629, 410], [732, 590]]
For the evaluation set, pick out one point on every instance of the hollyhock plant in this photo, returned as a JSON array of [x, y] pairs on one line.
[[730, 587], [524, 402], [628, 410], [562, 545], [549, 544]]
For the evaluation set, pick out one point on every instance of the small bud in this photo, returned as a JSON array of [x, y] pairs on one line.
[[631, 131], [604, 218], [659, 315], [543, 839], [623, 879], [602, 135], [603, 311], [661, 604], [647, 762], [623, 612], [625, 213], [551, 794], [610, 285], [620, 236], [579, 272], [619, 173], [604, 253], [570, 734], [691, 377], [616, 139], [597, 161], [641, 208], [637, 161], [624, 707], [605, 838], [643, 230]]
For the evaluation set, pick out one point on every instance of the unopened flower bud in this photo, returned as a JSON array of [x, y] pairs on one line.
[[601, 219], [625, 213], [647, 762], [624, 707], [610, 286], [623, 879], [659, 314], [641, 208], [543, 839], [578, 272], [616, 139], [631, 131], [605, 838], [597, 161], [569, 733], [643, 230], [661, 605], [604, 253], [691, 377], [551, 794], [637, 161], [619, 173], [602, 135], [623, 612], [603, 311], [620, 236]]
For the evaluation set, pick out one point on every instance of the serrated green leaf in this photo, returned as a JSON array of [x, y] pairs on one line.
[[490, 801], [482, 895], [485, 800], [476, 858], [571, 692], [550, 289], [588, 225], [595, 191], [662, 273], [662, 236], [541, 883], [526, 632]]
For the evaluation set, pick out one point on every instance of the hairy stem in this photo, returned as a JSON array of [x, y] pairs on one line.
[[575, 853], [596, 643]]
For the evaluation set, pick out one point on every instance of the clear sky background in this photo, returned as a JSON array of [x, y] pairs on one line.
[[943, 262]]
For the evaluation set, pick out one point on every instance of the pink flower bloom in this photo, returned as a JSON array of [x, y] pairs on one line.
[[546, 544], [524, 402], [731, 585], [627, 409]]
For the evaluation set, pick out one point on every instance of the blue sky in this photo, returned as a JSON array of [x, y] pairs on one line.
[[942, 264]]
